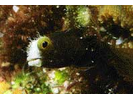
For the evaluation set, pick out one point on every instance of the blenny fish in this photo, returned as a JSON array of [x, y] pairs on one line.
[[76, 47], [58, 49]]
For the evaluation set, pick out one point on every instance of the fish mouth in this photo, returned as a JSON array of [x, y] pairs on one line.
[[33, 59], [37, 62]]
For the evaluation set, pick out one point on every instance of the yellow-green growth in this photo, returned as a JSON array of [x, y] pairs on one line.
[[61, 76], [77, 16]]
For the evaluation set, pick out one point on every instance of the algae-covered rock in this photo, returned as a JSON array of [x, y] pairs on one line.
[[45, 81]]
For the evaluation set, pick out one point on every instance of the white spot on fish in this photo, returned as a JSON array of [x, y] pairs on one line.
[[81, 38]]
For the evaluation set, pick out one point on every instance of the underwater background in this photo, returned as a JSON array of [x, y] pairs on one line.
[[106, 68]]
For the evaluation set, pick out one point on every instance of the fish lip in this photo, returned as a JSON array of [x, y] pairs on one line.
[[36, 62]]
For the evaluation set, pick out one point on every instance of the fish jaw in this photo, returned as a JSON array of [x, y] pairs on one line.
[[33, 54], [36, 63]]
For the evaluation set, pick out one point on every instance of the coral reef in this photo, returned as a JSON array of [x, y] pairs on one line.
[[19, 25], [46, 81], [116, 22]]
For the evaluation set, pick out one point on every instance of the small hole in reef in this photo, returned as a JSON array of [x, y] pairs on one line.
[[115, 29]]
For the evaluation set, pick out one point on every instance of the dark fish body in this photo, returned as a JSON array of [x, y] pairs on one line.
[[76, 47], [69, 48]]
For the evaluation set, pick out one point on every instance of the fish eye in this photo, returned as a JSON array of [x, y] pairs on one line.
[[44, 44]]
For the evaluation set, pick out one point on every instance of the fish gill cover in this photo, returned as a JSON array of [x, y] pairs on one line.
[[66, 49]]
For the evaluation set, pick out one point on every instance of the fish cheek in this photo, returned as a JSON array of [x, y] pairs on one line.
[[53, 59], [49, 58]]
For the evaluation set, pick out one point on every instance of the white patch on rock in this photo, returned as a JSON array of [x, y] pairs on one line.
[[1, 34], [15, 8], [119, 41], [55, 90]]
